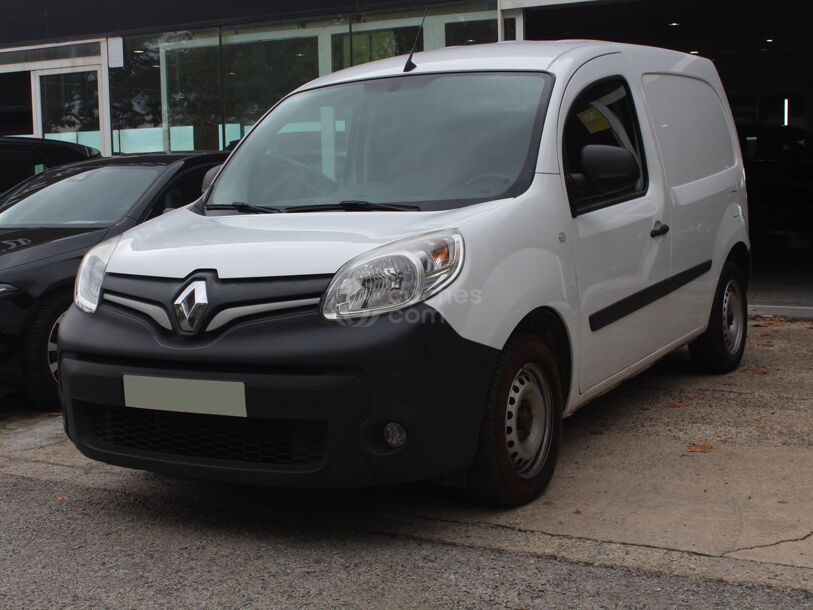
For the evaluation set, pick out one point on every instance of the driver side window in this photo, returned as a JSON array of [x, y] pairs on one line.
[[603, 114]]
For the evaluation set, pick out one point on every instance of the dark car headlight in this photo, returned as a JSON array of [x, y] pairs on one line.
[[88, 288], [6, 290]]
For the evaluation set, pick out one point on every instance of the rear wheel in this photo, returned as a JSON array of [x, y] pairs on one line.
[[522, 427], [40, 363], [721, 347]]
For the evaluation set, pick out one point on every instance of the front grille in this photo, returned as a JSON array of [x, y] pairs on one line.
[[233, 439]]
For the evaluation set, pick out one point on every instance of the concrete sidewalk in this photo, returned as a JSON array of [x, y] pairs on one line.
[[672, 473]]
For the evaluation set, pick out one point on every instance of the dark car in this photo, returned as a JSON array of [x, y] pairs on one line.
[[779, 171], [48, 223], [21, 158]]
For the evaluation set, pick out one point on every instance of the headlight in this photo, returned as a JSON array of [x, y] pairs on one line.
[[6, 290], [394, 276], [91, 275]]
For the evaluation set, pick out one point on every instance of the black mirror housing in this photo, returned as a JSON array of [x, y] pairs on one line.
[[609, 169]]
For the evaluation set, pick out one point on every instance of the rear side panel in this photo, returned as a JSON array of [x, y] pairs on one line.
[[701, 157]]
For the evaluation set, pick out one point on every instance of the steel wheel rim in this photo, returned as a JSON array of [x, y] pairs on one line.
[[52, 351], [528, 422], [733, 317]]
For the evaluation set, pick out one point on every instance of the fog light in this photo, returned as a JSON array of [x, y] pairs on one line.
[[395, 435]]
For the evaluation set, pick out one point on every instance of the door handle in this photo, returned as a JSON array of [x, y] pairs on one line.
[[660, 229]]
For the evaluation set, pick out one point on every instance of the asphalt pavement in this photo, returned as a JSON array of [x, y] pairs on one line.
[[674, 490]]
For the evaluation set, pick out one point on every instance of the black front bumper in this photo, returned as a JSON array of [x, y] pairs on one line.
[[317, 397]]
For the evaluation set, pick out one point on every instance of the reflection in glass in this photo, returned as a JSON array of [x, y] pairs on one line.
[[167, 96], [193, 97], [471, 32], [82, 196], [70, 107], [433, 139], [371, 45], [204, 89], [261, 72]]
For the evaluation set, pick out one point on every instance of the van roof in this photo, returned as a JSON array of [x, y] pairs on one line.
[[560, 57]]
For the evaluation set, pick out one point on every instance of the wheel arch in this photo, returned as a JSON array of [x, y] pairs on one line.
[[546, 323], [741, 256]]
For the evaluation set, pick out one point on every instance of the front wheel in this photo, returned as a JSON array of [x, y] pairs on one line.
[[721, 347], [521, 430], [40, 364]]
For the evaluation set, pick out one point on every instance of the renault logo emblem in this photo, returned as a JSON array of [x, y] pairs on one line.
[[190, 305]]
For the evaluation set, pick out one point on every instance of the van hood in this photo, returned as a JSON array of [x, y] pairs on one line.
[[270, 245]]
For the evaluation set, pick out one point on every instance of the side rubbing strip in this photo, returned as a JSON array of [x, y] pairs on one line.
[[639, 300]]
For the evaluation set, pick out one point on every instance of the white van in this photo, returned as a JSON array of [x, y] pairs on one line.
[[410, 273]]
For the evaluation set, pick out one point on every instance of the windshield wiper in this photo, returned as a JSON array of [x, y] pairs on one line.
[[247, 208], [354, 205]]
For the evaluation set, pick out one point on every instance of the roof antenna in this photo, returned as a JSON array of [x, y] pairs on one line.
[[410, 65]]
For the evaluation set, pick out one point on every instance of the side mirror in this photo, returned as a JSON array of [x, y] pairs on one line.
[[609, 169], [209, 177]]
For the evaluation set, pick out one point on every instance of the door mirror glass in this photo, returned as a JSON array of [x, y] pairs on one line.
[[209, 177], [609, 169]]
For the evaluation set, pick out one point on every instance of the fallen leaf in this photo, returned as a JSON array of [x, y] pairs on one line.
[[63, 498], [760, 372], [768, 324], [678, 404], [767, 344], [700, 448], [577, 512], [782, 502]]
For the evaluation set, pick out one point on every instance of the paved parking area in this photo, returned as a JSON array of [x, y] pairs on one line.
[[673, 490]]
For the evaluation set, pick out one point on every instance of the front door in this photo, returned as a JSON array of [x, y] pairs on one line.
[[622, 244], [66, 106]]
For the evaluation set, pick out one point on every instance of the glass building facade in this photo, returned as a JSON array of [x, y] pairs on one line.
[[204, 89]]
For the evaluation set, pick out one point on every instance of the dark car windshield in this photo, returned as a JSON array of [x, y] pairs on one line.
[[80, 196], [436, 141]]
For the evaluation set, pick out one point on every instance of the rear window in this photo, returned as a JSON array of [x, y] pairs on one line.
[[691, 125]]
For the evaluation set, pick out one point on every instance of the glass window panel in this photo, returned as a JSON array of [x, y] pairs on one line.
[[436, 139], [86, 196], [193, 97], [471, 32], [510, 28], [264, 62], [378, 35], [70, 51], [70, 107], [171, 83], [16, 110], [372, 45], [260, 73]]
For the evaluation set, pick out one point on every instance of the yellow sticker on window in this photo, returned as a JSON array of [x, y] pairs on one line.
[[593, 120]]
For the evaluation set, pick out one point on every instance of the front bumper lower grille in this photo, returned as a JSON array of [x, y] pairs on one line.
[[205, 437]]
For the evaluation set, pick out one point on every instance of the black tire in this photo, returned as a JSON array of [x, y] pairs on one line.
[[497, 475], [715, 351], [40, 384]]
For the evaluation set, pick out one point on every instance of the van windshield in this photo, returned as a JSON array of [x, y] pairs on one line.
[[434, 141]]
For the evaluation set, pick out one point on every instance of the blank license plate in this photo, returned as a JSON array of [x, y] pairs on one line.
[[185, 395]]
